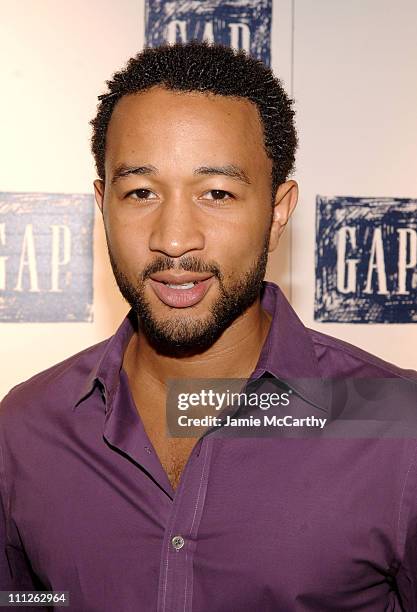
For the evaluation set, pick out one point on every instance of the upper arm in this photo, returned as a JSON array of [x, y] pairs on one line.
[[406, 577], [15, 569], [6, 582]]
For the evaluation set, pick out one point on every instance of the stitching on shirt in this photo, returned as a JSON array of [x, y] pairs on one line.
[[400, 544], [3, 487], [186, 581], [166, 573], [169, 531], [203, 474], [267, 348], [372, 360]]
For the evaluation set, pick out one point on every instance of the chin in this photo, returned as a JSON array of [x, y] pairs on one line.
[[180, 334]]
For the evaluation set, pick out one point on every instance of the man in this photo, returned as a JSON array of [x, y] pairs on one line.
[[193, 146]]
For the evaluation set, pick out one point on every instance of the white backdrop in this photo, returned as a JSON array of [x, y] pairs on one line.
[[351, 67]]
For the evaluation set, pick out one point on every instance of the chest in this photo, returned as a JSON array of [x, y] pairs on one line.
[[173, 453], [282, 520]]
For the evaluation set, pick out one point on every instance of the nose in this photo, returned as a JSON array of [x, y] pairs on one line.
[[177, 229]]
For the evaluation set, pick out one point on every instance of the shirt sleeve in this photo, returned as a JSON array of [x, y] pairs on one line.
[[406, 577], [15, 570], [5, 577]]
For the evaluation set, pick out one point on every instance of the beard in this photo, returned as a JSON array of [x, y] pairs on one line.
[[187, 335]]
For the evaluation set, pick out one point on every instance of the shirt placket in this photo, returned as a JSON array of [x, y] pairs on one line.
[[180, 539]]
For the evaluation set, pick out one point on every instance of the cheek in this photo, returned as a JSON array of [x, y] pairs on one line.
[[127, 242], [244, 233], [236, 245]]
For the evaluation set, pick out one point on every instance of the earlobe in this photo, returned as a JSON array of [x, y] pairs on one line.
[[284, 204], [99, 193]]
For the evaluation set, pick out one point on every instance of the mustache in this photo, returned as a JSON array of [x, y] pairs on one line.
[[188, 264]]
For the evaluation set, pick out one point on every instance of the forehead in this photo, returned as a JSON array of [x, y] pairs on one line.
[[174, 123]]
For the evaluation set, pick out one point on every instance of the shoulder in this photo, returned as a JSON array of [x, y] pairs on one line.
[[59, 384], [340, 358]]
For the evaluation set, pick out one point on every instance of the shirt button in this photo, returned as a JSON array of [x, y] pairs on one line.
[[177, 542]]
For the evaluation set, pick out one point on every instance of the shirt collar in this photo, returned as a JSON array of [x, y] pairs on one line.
[[288, 354], [106, 371]]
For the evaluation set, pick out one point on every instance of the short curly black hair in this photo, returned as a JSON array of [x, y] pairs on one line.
[[211, 68]]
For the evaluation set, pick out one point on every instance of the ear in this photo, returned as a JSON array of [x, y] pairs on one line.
[[99, 193], [284, 203]]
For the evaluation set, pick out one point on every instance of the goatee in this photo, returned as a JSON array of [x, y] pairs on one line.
[[184, 336]]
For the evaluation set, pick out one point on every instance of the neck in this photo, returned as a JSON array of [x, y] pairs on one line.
[[234, 355]]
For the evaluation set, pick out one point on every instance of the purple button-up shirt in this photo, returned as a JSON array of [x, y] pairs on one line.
[[257, 524]]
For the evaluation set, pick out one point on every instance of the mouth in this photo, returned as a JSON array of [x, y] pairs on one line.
[[181, 292]]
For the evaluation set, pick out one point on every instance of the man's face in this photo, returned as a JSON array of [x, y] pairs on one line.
[[187, 201]]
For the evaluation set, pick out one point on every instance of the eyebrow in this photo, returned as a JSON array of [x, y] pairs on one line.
[[123, 170], [230, 170]]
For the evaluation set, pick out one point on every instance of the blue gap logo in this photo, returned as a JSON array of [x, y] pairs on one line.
[[366, 260], [237, 24], [46, 257]]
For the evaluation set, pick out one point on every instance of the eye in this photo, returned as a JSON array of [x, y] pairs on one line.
[[218, 195], [142, 194]]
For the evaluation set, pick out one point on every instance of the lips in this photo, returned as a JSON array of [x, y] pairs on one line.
[[195, 287]]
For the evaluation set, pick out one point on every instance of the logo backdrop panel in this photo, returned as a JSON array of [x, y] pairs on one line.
[[366, 260], [46, 257], [236, 23]]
